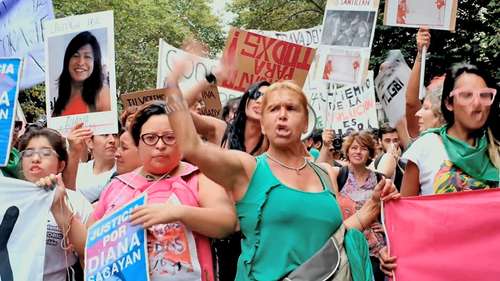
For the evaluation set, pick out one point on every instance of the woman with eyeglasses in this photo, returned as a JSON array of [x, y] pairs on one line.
[[184, 208], [455, 157], [43, 156]]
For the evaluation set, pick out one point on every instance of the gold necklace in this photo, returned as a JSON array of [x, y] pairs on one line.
[[297, 170]]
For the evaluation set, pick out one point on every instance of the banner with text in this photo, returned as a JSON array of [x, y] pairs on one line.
[[391, 84], [197, 72], [445, 229], [115, 249], [141, 97], [351, 108], [307, 37], [24, 38], [257, 57], [10, 72]]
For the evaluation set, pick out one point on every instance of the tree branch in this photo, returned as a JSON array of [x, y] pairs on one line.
[[320, 8]]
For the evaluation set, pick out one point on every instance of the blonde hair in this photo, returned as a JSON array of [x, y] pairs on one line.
[[286, 85], [434, 98], [494, 149]]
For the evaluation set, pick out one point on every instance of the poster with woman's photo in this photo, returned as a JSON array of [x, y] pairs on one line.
[[80, 77], [346, 41], [435, 14]]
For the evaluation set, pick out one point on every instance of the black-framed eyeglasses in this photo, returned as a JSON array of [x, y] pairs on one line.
[[42, 152], [255, 95], [152, 139]]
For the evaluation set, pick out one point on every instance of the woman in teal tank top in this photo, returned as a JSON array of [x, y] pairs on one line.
[[286, 210]]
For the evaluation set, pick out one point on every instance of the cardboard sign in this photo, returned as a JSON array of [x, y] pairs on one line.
[[200, 67], [116, 249], [141, 97], [435, 14], [211, 102], [91, 37], [257, 57], [10, 72], [24, 212], [307, 37], [352, 108], [391, 84], [21, 36], [346, 41], [445, 229]]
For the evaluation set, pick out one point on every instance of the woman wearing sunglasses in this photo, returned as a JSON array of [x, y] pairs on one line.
[[455, 157], [184, 208], [44, 155]]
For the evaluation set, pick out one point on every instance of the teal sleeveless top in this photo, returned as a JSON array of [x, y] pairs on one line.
[[282, 227]]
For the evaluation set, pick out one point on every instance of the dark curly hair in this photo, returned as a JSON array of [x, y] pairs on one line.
[[235, 132], [91, 86], [142, 116]]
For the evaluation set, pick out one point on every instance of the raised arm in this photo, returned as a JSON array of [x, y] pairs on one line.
[[209, 127], [412, 90], [231, 169]]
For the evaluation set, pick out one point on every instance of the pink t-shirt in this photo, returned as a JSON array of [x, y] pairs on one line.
[[175, 252]]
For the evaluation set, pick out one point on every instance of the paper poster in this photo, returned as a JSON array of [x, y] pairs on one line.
[[390, 84], [24, 212], [307, 37], [24, 38], [115, 249], [200, 67], [454, 236], [351, 108], [10, 72], [435, 14], [80, 81], [346, 41], [257, 57], [141, 97]]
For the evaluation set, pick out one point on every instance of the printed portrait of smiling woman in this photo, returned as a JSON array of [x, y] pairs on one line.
[[82, 84]]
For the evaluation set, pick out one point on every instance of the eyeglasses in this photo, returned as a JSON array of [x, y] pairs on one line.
[[152, 139], [486, 96], [255, 95], [42, 152]]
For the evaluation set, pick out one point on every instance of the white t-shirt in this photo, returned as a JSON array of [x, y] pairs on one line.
[[429, 154], [55, 260], [91, 185]]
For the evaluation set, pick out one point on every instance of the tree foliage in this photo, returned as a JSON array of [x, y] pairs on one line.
[[476, 40], [139, 24]]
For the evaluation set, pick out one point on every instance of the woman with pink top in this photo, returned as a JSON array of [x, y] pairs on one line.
[[184, 207]]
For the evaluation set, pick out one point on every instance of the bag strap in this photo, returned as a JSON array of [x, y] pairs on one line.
[[323, 175], [342, 177]]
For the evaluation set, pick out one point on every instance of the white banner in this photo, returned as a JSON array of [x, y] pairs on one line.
[[24, 210], [308, 37], [391, 83], [351, 108], [200, 67]]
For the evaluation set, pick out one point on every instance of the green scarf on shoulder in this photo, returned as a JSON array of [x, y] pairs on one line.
[[474, 161], [12, 168]]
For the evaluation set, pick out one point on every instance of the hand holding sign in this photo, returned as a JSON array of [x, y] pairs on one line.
[[423, 39], [152, 214], [77, 138], [8, 222]]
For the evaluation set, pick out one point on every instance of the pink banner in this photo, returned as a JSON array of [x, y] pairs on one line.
[[452, 237]]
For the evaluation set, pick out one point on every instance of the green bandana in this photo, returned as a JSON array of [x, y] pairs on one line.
[[474, 161]]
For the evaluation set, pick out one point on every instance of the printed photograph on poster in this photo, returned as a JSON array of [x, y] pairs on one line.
[[436, 14], [343, 66], [348, 28], [80, 81]]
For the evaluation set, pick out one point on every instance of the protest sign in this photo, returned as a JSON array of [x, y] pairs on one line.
[[10, 72], [115, 249], [445, 229], [24, 212], [391, 84], [24, 38], [257, 57], [351, 107], [197, 72], [346, 40], [91, 37], [141, 97], [211, 102], [307, 37], [435, 14]]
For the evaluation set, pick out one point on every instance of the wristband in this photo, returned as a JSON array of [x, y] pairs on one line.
[[211, 78]]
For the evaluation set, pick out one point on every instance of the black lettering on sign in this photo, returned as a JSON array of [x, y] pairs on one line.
[[8, 222]]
